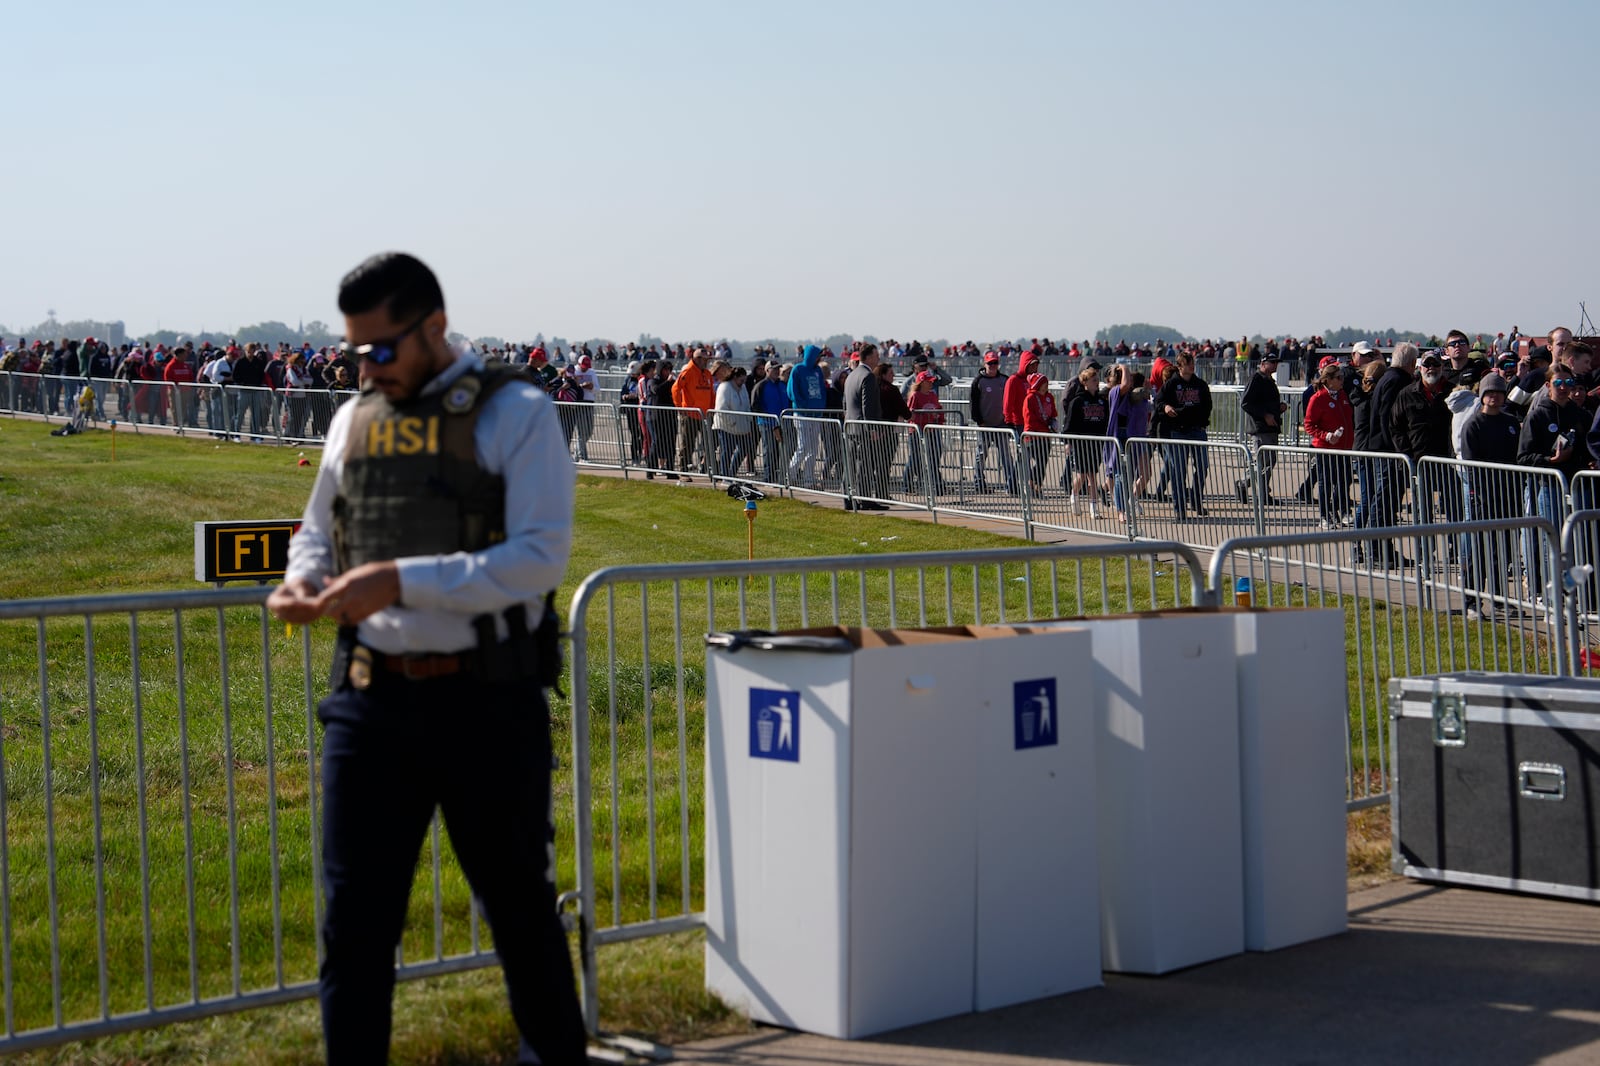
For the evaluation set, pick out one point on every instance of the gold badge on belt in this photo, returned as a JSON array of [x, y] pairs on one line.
[[361, 668]]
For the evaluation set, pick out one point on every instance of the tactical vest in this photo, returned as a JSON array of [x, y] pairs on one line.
[[411, 483]]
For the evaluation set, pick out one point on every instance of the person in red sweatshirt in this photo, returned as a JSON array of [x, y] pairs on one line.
[[1038, 416], [1015, 397], [179, 373]]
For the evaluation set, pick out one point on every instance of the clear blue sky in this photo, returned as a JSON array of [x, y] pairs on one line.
[[753, 169]]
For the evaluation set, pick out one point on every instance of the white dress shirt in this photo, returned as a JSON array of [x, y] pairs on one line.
[[517, 437]]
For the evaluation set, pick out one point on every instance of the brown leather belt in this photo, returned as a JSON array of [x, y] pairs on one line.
[[364, 662], [423, 667]]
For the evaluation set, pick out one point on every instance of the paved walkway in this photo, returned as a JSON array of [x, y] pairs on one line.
[[1425, 975]]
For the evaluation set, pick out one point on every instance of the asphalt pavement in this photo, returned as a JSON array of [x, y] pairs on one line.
[[1425, 974]]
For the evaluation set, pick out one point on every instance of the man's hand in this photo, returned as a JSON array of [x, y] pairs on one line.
[[295, 602], [1172, 412], [1561, 452], [1271, 420], [355, 594]]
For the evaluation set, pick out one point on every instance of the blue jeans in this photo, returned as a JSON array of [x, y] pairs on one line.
[[1187, 492], [771, 449], [1538, 499]]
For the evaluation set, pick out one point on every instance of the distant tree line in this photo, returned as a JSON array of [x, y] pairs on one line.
[[319, 334]]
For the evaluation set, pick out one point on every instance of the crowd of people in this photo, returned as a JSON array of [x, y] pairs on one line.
[[266, 392], [1535, 406]]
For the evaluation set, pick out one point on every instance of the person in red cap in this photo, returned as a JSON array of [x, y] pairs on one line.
[[925, 411], [585, 377], [1330, 423], [986, 405], [1038, 417]]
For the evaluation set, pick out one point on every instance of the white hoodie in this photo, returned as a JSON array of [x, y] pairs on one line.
[[1462, 401]]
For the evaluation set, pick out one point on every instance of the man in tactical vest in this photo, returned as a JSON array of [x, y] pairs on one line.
[[440, 521]]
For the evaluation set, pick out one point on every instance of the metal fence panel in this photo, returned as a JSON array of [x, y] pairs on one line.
[[638, 685], [1074, 483], [1194, 491], [816, 449], [747, 447], [253, 411], [593, 432], [159, 835], [1228, 421], [674, 441], [1398, 621], [886, 463], [1491, 574], [1580, 554], [979, 471], [1304, 489]]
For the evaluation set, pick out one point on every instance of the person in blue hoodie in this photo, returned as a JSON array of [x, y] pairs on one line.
[[808, 395]]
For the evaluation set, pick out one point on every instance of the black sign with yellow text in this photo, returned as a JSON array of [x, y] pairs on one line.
[[242, 551]]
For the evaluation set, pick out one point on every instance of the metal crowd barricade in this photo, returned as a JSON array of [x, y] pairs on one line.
[[980, 472], [1491, 575], [1228, 421], [886, 463], [1188, 490], [252, 411], [295, 408], [1395, 622], [159, 833], [957, 412], [676, 441], [816, 448], [594, 433], [638, 687], [747, 447], [1303, 489], [1580, 554], [1072, 483]]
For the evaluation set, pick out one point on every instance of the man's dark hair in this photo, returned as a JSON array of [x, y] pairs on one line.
[[402, 283], [1456, 335], [1577, 348]]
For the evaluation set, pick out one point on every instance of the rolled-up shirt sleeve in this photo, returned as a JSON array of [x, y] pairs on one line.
[[311, 548]]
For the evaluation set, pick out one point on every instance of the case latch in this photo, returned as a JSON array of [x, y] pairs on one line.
[[1449, 720]]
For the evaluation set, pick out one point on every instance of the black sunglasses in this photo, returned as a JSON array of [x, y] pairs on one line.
[[384, 352]]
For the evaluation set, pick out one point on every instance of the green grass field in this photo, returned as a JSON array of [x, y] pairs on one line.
[[79, 522], [230, 771]]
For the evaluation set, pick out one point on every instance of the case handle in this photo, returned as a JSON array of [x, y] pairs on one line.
[[1542, 781]]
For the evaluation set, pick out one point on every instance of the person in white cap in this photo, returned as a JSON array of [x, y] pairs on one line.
[[585, 377]]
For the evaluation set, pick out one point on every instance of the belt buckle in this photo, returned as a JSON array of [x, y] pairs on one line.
[[361, 668]]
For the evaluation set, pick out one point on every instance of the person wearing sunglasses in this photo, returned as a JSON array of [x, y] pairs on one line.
[[438, 526], [1422, 421], [1463, 366]]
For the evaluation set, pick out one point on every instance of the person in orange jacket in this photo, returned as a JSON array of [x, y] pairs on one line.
[[695, 390]]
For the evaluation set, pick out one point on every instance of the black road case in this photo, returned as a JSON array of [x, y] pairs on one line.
[[1497, 781]]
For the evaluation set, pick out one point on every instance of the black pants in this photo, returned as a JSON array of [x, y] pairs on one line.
[[481, 753]]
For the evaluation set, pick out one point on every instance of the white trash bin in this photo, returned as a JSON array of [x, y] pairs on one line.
[[1293, 738], [1171, 863], [865, 834]]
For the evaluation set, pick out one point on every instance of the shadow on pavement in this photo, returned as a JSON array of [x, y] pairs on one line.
[[1425, 975]]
